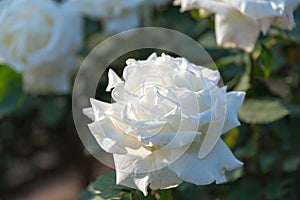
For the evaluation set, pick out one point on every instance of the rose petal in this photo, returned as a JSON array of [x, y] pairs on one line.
[[292, 4], [189, 167], [113, 80], [285, 21], [144, 125], [265, 24], [138, 172], [236, 30], [258, 9], [171, 140], [209, 5], [161, 179], [89, 112], [234, 101], [218, 114], [113, 141], [139, 181], [99, 108], [164, 179], [158, 159], [120, 94], [152, 57], [192, 77], [143, 72]]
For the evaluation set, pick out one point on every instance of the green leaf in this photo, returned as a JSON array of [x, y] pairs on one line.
[[10, 89], [87, 195], [262, 111], [106, 187]]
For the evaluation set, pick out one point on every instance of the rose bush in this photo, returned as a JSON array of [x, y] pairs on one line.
[[238, 23], [164, 110], [36, 35]]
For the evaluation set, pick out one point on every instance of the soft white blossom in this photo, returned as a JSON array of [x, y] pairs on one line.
[[239, 22], [37, 38], [163, 110]]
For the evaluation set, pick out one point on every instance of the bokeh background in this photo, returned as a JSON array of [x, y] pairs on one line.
[[42, 156]]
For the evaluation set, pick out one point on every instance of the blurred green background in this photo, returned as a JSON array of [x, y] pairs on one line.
[[42, 156]]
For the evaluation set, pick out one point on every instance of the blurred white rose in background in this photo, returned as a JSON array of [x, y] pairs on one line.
[[40, 37], [239, 22], [162, 110], [117, 15]]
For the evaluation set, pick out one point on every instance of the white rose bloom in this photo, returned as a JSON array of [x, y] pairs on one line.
[[162, 110], [39, 34], [117, 15], [239, 22]]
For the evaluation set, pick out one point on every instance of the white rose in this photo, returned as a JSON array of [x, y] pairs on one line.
[[239, 22], [40, 39], [164, 108], [117, 15], [36, 33]]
